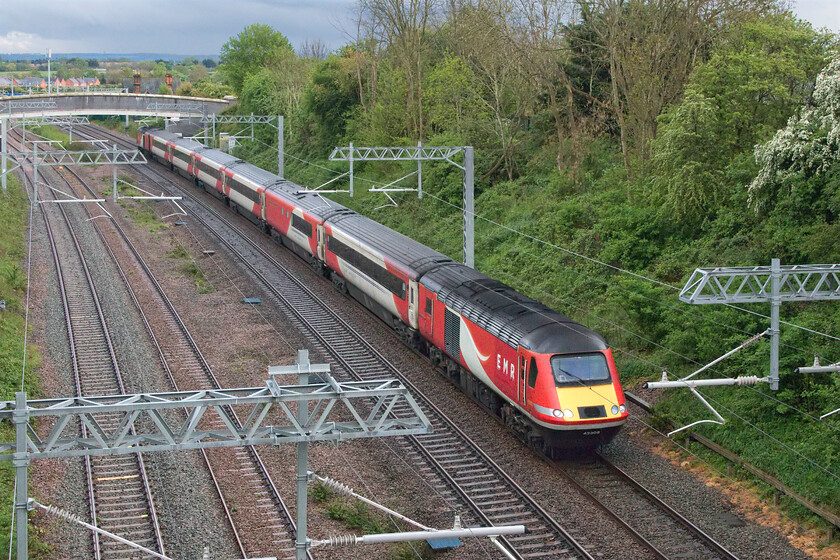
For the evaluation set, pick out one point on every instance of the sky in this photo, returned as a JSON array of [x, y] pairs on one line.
[[200, 27]]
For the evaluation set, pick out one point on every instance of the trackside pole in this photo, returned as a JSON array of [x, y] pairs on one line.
[[420, 170], [301, 542], [469, 206], [35, 176], [775, 304], [351, 169], [114, 167], [3, 152], [281, 148], [20, 419]]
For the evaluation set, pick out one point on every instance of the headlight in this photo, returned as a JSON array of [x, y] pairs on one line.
[[568, 413], [614, 409], [622, 409], [558, 413]]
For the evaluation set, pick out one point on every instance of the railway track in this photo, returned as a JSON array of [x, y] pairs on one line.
[[469, 477], [466, 475], [119, 495], [653, 523], [261, 523]]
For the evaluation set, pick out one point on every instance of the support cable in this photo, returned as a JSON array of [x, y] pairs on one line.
[[76, 519], [744, 488], [573, 253], [656, 344], [618, 269]]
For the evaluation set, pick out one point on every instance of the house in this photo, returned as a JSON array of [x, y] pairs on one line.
[[32, 83]]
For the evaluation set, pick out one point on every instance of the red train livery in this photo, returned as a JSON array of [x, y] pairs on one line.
[[552, 380]]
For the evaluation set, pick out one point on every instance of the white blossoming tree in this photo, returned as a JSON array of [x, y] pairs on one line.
[[807, 148]]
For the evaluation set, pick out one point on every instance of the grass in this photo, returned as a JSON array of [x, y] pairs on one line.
[[53, 133], [118, 125], [191, 269], [359, 516], [13, 215], [144, 215], [598, 220], [194, 272]]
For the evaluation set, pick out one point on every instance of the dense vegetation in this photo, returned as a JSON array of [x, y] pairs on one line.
[[13, 213], [654, 137]]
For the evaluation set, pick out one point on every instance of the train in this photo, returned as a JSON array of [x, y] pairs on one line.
[[551, 380]]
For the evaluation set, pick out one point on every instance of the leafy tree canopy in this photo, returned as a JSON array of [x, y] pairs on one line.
[[807, 150], [248, 52], [755, 78]]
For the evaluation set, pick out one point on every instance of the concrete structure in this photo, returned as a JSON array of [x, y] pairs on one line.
[[111, 104]]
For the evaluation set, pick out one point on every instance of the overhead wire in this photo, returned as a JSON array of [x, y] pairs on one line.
[[274, 328], [580, 255], [726, 476], [647, 340], [656, 282], [613, 267], [806, 414], [729, 410]]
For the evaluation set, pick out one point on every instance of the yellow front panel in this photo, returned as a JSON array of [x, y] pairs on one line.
[[594, 395]]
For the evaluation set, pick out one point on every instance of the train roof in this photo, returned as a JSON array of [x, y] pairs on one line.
[[309, 202], [510, 316], [218, 156], [257, 175], [415, 257]]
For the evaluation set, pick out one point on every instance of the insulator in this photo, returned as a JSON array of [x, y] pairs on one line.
[[65, 514], [748, 380], [335, 485], [341, 540]]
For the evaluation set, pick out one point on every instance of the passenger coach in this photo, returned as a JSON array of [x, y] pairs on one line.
[[552, 380]]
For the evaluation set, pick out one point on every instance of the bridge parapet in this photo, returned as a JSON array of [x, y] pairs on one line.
[[133, 104]]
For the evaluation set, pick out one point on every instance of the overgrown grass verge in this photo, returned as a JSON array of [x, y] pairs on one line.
[[360, 517], [52, 133], [13, 216], [191, 269], [118, 125], [647, 326]]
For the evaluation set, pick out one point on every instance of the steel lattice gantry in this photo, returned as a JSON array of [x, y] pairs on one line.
[[175, 431], [85, 157], [753, 284], [275, 121], [420, 154], [772, 284], [156, 422]]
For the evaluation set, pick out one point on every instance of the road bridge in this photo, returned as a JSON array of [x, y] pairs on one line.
[[113, 104]]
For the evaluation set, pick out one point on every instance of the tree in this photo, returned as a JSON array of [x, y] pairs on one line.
[[247, 52], [452, 100], [807, 149], [198, 72], [331, 97], [651, 47], [209, 63], [164, 90], [755, 78], [314, 49], [159, 71], [401, 26]]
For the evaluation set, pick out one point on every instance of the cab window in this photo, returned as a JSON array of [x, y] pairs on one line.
[[581, 369], [532, 373]]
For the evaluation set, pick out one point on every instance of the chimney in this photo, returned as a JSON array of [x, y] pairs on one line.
[[169, 81], [137, 82]]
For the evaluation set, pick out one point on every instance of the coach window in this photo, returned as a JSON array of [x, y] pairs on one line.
[[301, 225], [428, 306], [532, 374]]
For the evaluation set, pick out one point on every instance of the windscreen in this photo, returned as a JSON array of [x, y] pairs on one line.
[[580, 369]]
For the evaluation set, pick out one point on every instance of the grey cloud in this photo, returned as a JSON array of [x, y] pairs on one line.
[[186, 26]]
